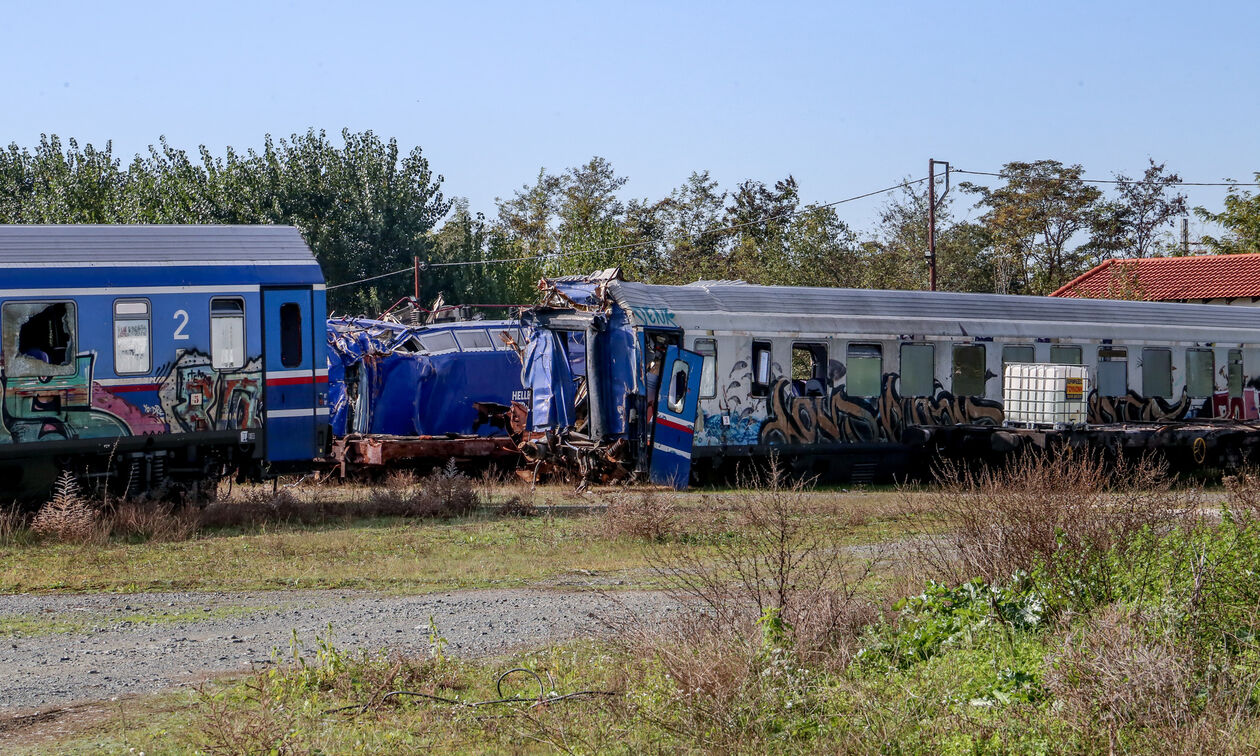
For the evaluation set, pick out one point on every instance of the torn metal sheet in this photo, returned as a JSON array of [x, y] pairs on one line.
[[400, 380]]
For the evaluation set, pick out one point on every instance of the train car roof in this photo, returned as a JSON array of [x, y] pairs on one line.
[[735, 302], [85, 245]]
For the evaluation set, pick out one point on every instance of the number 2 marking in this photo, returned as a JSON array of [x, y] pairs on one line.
[[182, 317]]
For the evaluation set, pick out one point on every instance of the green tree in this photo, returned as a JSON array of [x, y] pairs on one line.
[[1130, 225], [1240, 219], [1033, 220]]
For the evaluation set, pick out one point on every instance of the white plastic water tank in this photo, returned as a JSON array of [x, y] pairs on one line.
[[1041, 393]]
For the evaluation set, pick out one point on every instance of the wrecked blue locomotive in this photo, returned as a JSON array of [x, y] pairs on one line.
[[156, 357]]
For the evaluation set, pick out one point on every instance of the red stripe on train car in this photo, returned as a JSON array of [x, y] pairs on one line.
[[297, 379], [132, 387], [673, 424]]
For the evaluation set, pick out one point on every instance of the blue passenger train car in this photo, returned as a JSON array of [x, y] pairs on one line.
[[155, 357]]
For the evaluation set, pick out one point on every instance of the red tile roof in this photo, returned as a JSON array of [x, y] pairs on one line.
[[1169, 278]]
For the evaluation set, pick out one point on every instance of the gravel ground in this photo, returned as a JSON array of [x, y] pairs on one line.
[[141, 643]]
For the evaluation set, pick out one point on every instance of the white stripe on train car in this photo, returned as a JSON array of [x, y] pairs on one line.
[[128, 291], [671, 450], [129, 381], [308, 412]]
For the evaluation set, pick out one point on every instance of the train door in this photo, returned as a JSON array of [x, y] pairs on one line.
[[289, 362], [676, 403]]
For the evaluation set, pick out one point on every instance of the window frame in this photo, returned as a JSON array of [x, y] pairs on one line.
[[1163, 350], [472, 332], [286, 339], [674, 400], [1211, 373], [1080, 354], [1111, 360], [56, 370], [757, 388], [849, 357], [148, 318], [708, 367], [243, 317], [954, 374], [901, 361], [1234, 369]]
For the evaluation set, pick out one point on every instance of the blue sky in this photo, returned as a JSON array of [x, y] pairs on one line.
[[848, 97]]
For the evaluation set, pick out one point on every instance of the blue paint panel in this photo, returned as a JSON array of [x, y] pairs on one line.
[[289, 363], [408, 393], [674, 426], [546, 374]]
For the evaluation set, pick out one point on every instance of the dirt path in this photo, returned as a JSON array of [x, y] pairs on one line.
[[94, 647]]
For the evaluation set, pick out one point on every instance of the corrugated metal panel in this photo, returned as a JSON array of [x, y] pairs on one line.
[[140, 244], [791, 300]]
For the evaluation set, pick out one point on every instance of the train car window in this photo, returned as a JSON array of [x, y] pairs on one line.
[[574, 344], [290, 334], [470, 339], [1113, 371], [809, 368], [1157, 372], [1200, 372], [1235, 373], [39, 338], [707, 348], [1065, 354], [227, 333], [918, 369], [1017, 353], [761, 369], [132, 336], [680, 373], [969, 370], [442, 341], [864, 365]]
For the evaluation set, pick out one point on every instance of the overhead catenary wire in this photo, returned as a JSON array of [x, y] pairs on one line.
[[632, 245], [1131, 182]]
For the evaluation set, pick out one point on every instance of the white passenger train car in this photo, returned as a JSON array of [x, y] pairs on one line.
[[818, 371]]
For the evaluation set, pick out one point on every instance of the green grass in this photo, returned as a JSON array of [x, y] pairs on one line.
[[402, 556]]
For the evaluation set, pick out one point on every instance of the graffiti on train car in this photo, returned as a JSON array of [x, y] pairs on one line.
[[184, 396], [837, 417], [1135, 408]]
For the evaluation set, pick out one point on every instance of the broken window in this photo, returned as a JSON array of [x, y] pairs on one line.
[[707, 348], [1200, 372], [39, 338], [918, 369], [1113, 370], [969, 370], [809, 368], [1157, 372], [864, 366], [761, 368], [227, 333], [681, 372], [575, 351], [131, 336]]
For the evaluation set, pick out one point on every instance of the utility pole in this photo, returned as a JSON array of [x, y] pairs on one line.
[[1185, 236], [932, 204], [416, 278]]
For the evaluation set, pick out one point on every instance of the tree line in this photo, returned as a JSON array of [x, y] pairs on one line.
[[367, 208]]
